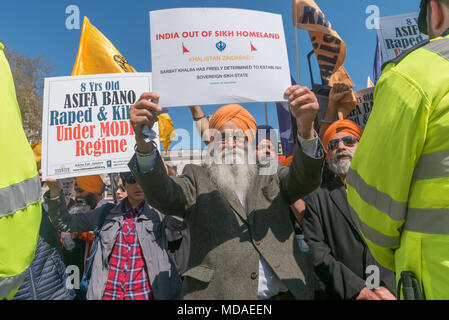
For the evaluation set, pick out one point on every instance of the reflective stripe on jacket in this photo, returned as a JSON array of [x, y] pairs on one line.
[[20, 190], [398, 184]]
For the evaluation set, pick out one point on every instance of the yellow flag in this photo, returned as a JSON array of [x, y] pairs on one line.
[[166, 126], [97, 55]]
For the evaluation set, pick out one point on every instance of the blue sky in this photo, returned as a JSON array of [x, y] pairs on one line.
[[38, 28]]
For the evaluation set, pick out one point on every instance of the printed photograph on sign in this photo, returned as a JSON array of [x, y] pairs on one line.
[[218, 56], [85, 127]]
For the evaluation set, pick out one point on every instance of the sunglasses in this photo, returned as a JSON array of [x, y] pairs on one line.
[[78, 189], [348, 141], [131, 180]]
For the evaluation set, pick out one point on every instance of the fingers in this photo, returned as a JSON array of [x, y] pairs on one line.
[[307, 98], [384, 294], [340, 87], [295, 91], [148, 101], [145, 111], [149, 96]]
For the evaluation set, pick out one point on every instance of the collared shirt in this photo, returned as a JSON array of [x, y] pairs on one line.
[[128, 278]]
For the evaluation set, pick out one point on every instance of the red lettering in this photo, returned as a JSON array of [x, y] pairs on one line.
[[104, 129], [88, 148], [123, 146], [115, 129], [79, 148], [59, 133]]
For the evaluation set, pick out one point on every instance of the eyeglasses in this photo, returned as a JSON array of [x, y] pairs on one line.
[[236, 137], [131, 180], [348, 141], [78, 189]]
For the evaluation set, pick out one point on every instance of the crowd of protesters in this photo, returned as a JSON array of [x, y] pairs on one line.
[[245, 226], [219, 231]]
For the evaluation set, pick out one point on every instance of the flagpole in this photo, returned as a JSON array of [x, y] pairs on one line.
[[266, 114], [296, 42], [297, 59]]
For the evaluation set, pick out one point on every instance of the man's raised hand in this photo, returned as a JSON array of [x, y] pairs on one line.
[[304, 107], [144, 113]]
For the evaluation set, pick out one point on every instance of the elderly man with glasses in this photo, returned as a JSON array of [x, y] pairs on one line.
[[131, 261], [345, 267]]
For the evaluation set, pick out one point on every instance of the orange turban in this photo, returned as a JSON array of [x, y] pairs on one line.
[[92, 184], [287, 161], [235, 113], [347, 126], [37, 150]]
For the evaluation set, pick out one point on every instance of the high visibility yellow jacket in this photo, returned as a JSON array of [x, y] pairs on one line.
[[398, 183], [20, 190]]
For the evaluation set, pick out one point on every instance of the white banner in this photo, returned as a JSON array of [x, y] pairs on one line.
[[85, 125], [203, 56], [397, 34], [365, 102]]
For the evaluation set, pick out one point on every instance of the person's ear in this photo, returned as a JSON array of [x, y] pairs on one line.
[[436, 14]]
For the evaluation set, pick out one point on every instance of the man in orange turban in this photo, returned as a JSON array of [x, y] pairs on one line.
[[91, 184], [337, 248], [243, 244], [340, 129], [235, 113]]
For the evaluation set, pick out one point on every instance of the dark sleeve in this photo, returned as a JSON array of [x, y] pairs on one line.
[[388, 279], [63, 221], [171, 196], [335, 275], [302, 176]]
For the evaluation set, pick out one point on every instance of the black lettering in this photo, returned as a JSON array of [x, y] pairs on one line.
[[308, 16]]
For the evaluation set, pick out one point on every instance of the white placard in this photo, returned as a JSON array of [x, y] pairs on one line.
[[362, 111], [204, 56], [399, 33], [85, 125]]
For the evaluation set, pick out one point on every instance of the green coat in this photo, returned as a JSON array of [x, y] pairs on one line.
[[226, 244]]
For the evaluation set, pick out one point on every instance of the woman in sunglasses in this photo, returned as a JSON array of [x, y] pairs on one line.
[[121, 191], [131, 260]]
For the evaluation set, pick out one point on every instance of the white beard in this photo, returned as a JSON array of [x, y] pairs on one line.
[[340, 167], [231, 172]]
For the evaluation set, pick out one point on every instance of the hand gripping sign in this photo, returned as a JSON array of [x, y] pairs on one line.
[[204, 56]]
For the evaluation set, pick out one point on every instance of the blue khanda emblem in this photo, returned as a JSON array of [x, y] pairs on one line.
[[221, 45]]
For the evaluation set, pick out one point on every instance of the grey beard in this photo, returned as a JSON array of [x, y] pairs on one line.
[[340, 167], [233, 177]]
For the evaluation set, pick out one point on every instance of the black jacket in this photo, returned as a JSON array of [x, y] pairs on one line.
[[340, 255], [46, 278]]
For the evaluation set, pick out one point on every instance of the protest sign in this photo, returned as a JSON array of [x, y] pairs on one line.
[[397, 34], [365, 102], [85, 126], [203, 56]]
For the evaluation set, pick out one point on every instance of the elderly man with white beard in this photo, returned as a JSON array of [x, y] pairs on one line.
[[342, 261], [242, 242]]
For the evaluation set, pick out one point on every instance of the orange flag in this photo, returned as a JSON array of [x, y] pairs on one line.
[[97, 55], [330, 49]]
